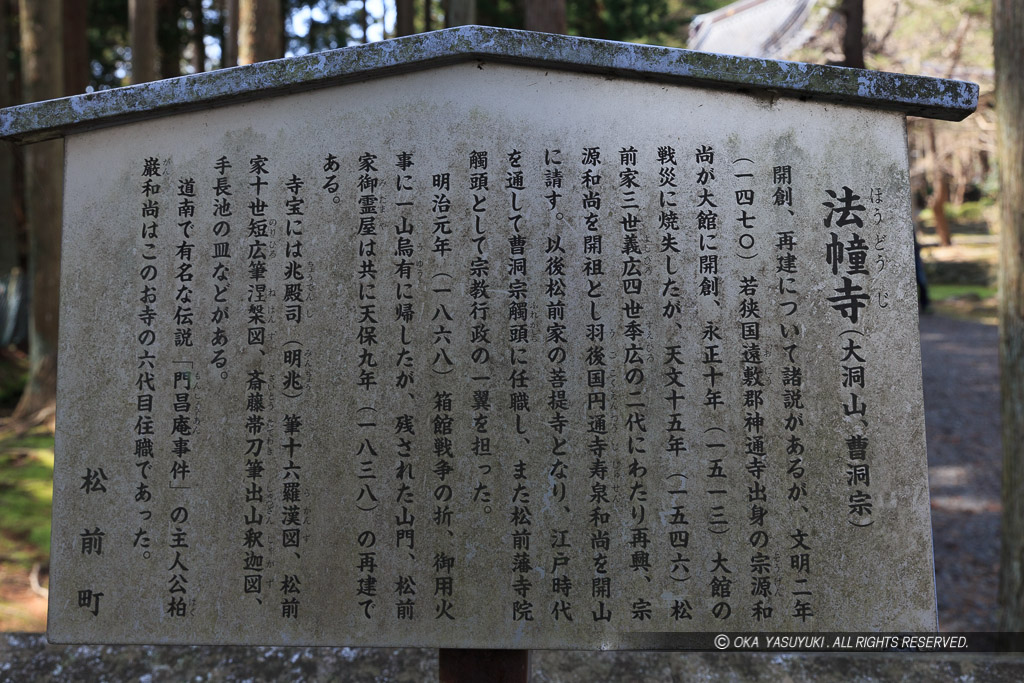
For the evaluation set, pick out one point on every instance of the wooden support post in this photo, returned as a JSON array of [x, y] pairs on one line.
[[493, 666]]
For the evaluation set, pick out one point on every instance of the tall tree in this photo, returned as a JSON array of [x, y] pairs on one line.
[[853, 35], [1008, 24], [76, 47], [940, 189], [8, 226], [229, 46], [142, 28], [940, 175], [404, 18], [198, 41], [546, 16], [170, 38], [42, 65], [259, 31], [460, 13]]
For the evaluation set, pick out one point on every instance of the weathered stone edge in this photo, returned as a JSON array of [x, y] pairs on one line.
[[28, 657], [917, 95]]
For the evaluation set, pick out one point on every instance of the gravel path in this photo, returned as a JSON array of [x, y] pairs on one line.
[[961, 396]]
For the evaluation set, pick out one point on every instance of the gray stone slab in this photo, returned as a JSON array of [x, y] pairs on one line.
[[488, 355], [29, 657], [920, 96]]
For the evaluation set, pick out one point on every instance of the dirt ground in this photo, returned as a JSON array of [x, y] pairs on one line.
[[960, 364], [961, 389], [21, 608]]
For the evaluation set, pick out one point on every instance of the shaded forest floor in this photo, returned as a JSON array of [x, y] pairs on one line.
[[960, 365], [26, 491]]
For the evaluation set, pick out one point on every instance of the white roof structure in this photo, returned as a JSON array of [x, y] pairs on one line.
[[768, 29]]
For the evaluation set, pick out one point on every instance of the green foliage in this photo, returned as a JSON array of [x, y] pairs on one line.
[[331, 26], [943, 292], [501, 13], [963, 214], [107, 36], [26, 494], [619, 19], [969, 212], [662, 22]]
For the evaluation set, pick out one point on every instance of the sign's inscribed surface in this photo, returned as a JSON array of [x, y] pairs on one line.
[[488, 356]]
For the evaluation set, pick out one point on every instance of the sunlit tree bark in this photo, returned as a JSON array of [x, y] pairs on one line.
[[259, 31], [546, 16], [42, 65], [1008, 18]]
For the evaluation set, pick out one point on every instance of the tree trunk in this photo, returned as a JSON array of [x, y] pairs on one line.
[[428, 10], [42, 64], [403, 22], [1008, 19], [8, 226], [940, 191], [198, 37], [76, 47], [364, 22], [940, 197], [230, 52], [853, 36], [142, 27], [546, 16], [259, 31], [168, 38], [460, 13]]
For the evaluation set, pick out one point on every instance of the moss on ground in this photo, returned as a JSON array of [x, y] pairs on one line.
[[26, 495]]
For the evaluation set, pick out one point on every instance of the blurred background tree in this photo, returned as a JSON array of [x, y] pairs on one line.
[[42, 77], [951, 163], [1009, 62]]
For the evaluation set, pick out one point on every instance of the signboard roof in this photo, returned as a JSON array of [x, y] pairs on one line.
[[915, 95]]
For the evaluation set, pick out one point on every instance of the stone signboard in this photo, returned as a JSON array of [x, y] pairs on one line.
[[492, 353]]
